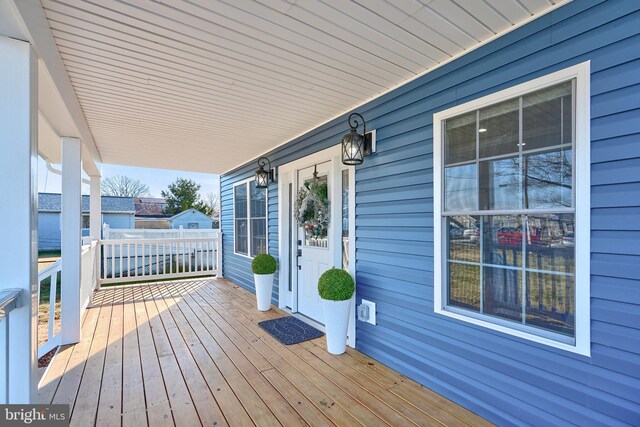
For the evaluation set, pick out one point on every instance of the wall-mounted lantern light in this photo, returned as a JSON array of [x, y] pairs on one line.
[[263, 176], [356, 146]]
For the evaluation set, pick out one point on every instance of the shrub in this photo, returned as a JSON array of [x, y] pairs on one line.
[[264, 264], [336, 284]]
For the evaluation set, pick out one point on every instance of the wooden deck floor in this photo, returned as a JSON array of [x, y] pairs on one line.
[[190, 352]]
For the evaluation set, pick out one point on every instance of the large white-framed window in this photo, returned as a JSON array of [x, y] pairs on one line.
[[249, 219], [512, 210]]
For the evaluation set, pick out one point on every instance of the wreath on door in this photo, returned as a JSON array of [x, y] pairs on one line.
[[312, 208]]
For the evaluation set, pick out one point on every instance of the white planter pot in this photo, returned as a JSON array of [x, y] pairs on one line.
[[336, 323], [264, 285]]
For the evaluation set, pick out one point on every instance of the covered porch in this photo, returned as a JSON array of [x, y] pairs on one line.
[[191, 352]]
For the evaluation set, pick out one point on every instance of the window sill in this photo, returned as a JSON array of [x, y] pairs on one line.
[[584, 350]]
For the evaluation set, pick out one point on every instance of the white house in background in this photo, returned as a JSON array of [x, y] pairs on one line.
[[118, 212], [191, 219]]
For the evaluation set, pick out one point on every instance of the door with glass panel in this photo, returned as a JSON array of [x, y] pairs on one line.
[[315, 246]]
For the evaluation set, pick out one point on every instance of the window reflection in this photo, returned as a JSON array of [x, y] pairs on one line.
[[499, 129], [551, 302], [548, 179], [551, 242], [345, 219], [464, 242], [461, 188], [500, 184], [502, 292], [240, 218], [546, 117], [258, 210], [460, 139], [510, 166], [464, 288], [502, 240]]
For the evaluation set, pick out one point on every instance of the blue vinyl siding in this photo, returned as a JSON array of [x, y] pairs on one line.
[[119, 220], [192, 216], [503, 378]]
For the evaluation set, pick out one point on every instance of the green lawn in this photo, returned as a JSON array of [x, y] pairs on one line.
[[49, 254]]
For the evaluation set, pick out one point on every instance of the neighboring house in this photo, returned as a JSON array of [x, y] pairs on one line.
[[496, 223], [191, 219], [150, 213], [118, 212]]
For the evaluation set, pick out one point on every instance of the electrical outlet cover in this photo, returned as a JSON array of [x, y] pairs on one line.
[[372, 311]]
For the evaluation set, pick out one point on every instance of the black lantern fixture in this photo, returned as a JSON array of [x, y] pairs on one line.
[[354, 145], [263, 176]]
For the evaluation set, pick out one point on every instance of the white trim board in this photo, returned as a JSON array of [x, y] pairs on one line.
[[581, 73]]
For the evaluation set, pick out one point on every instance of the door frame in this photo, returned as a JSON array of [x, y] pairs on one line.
[[287, 174]]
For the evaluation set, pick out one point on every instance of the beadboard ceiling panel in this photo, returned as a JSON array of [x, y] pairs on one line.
[[205, 85]]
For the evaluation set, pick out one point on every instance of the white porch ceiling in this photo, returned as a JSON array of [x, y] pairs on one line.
[[205, 85]]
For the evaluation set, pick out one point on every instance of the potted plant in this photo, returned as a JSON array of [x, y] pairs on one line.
[[336, 287], [263, 267]]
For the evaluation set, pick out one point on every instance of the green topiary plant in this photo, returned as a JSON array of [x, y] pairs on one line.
[[336, 284], [264, 264]]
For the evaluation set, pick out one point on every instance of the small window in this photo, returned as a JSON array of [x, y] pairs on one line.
[[508, 211], [86, 223], [250, 219], [193, 226]]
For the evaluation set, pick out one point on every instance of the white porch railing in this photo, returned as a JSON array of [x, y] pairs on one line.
[[168, 233], [88, 276], [9, 300], [53, 336], [132, 260]]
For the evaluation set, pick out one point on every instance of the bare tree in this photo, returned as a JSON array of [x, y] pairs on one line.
[[209, 205], [123, 186]]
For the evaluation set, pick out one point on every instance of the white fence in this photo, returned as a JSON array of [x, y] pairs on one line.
[[132, 260], [170, 233]]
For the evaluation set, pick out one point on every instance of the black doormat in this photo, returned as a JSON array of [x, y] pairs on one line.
[[289, 330]]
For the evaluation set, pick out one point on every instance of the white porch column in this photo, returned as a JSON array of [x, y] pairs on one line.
[[95, 211], [71, 225], [18, 183]]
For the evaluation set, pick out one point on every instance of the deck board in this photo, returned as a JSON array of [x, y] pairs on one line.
[[191, 352]]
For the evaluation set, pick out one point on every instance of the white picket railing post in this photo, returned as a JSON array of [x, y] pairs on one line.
[[105, 231]]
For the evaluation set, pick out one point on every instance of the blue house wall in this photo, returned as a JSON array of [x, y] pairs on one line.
[[49, 230], [119, 220], [192, 216], [505, 379]]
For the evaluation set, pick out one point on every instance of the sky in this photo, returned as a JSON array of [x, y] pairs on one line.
[[156, 179]]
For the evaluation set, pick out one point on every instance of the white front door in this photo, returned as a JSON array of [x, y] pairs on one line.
[[298, 275], [314, 250]]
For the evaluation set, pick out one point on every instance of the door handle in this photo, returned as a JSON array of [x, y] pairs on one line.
[[299, 254]]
